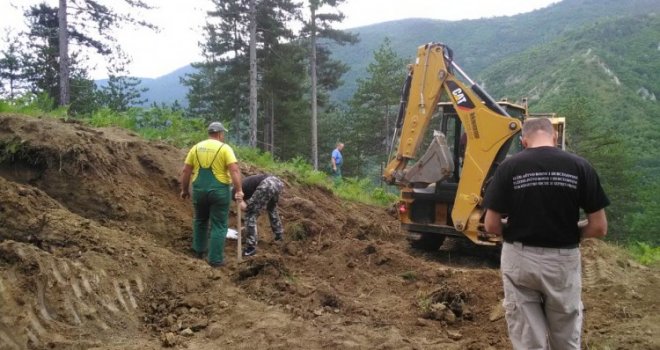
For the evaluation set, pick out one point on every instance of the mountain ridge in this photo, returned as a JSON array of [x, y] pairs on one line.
[[477, 43]]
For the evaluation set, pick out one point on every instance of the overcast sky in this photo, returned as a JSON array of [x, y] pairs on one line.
[[176, 45]]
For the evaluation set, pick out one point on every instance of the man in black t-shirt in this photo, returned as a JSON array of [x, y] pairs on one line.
[[260, 191], [541, 190]]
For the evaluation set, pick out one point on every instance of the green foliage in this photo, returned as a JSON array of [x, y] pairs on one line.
[[644, 221], [40, 62], [170, 125], [263, 160], [424, 301], [374, 108], [305, 173], [478, 44], [11, 68], [645, 253], [122, 91], [158, 123], [284, 101], [602, 79], [219, 86], [10, 149], [32, 61], [33, 105], [353, 189], [363, 190]]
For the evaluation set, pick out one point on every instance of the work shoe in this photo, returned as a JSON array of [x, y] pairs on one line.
[[249, 251], [216, 265], [198, 255]]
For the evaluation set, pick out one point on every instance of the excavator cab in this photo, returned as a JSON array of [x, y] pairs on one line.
[[426, 214], [451, 126]]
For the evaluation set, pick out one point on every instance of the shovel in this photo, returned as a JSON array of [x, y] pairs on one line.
[[238, 228]]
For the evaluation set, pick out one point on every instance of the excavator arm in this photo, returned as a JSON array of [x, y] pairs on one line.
[[487, 126]]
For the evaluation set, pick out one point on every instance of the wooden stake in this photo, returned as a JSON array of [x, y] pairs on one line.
[[238, 228]]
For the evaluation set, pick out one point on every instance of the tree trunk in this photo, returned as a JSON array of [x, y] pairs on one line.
[[387, 126], [64, 54], [237, 109], [253, 73], [11, 88], [271, 139], [315, 151], [267, 126]]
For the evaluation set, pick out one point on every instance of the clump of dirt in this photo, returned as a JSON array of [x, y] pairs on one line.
[[94, 253]]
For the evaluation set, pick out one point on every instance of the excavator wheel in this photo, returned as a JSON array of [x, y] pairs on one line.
[[425, 241]]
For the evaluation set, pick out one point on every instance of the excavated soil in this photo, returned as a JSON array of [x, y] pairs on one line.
[[94, 254]]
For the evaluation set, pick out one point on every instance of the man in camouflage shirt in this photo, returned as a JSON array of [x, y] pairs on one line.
[[260, 191]]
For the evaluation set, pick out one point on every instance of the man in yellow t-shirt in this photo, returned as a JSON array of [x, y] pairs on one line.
[[213, 167]]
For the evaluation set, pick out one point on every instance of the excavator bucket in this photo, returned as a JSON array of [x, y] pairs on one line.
[[435, 165]]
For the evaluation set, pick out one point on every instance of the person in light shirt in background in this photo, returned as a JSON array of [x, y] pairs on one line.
[[336, 161]]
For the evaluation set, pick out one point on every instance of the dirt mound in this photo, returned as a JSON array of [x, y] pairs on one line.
[[94, 253]]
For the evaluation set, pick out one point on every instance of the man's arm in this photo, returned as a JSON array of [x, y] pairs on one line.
[[596, 225], [185, 180], [334, 163], [235, 174], [493, 222]]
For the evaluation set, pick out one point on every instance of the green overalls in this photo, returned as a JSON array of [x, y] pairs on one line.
[[211, 200]]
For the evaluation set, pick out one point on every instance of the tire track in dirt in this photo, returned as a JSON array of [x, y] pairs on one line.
[[596, 273], [59, 303]]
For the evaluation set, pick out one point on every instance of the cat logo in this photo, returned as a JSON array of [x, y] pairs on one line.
[[462, 99], [459, 96]]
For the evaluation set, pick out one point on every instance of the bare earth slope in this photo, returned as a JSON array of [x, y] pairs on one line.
[[94, 254]]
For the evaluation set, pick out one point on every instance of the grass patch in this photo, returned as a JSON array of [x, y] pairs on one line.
[[296, 231], [157, 123], [364, 191], [409, 276], [9, 150], [424, 302], [289, 278], [170, 125], [34, 105], [353, 189], [644, 253]]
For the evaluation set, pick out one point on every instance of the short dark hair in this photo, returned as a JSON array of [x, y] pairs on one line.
[[533, 125]]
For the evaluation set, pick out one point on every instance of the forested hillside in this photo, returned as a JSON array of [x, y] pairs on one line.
[[165, 89], [478, 44], [604, 80]]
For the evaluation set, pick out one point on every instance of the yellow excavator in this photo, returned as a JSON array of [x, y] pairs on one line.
[[442, 192]]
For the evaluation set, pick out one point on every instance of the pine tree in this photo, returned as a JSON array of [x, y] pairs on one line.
[[284, 85], [86, 24], [11, 70], [41, 65], [221, 86], [122, 90], [320, 26], [218, 89], [374, 106]]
